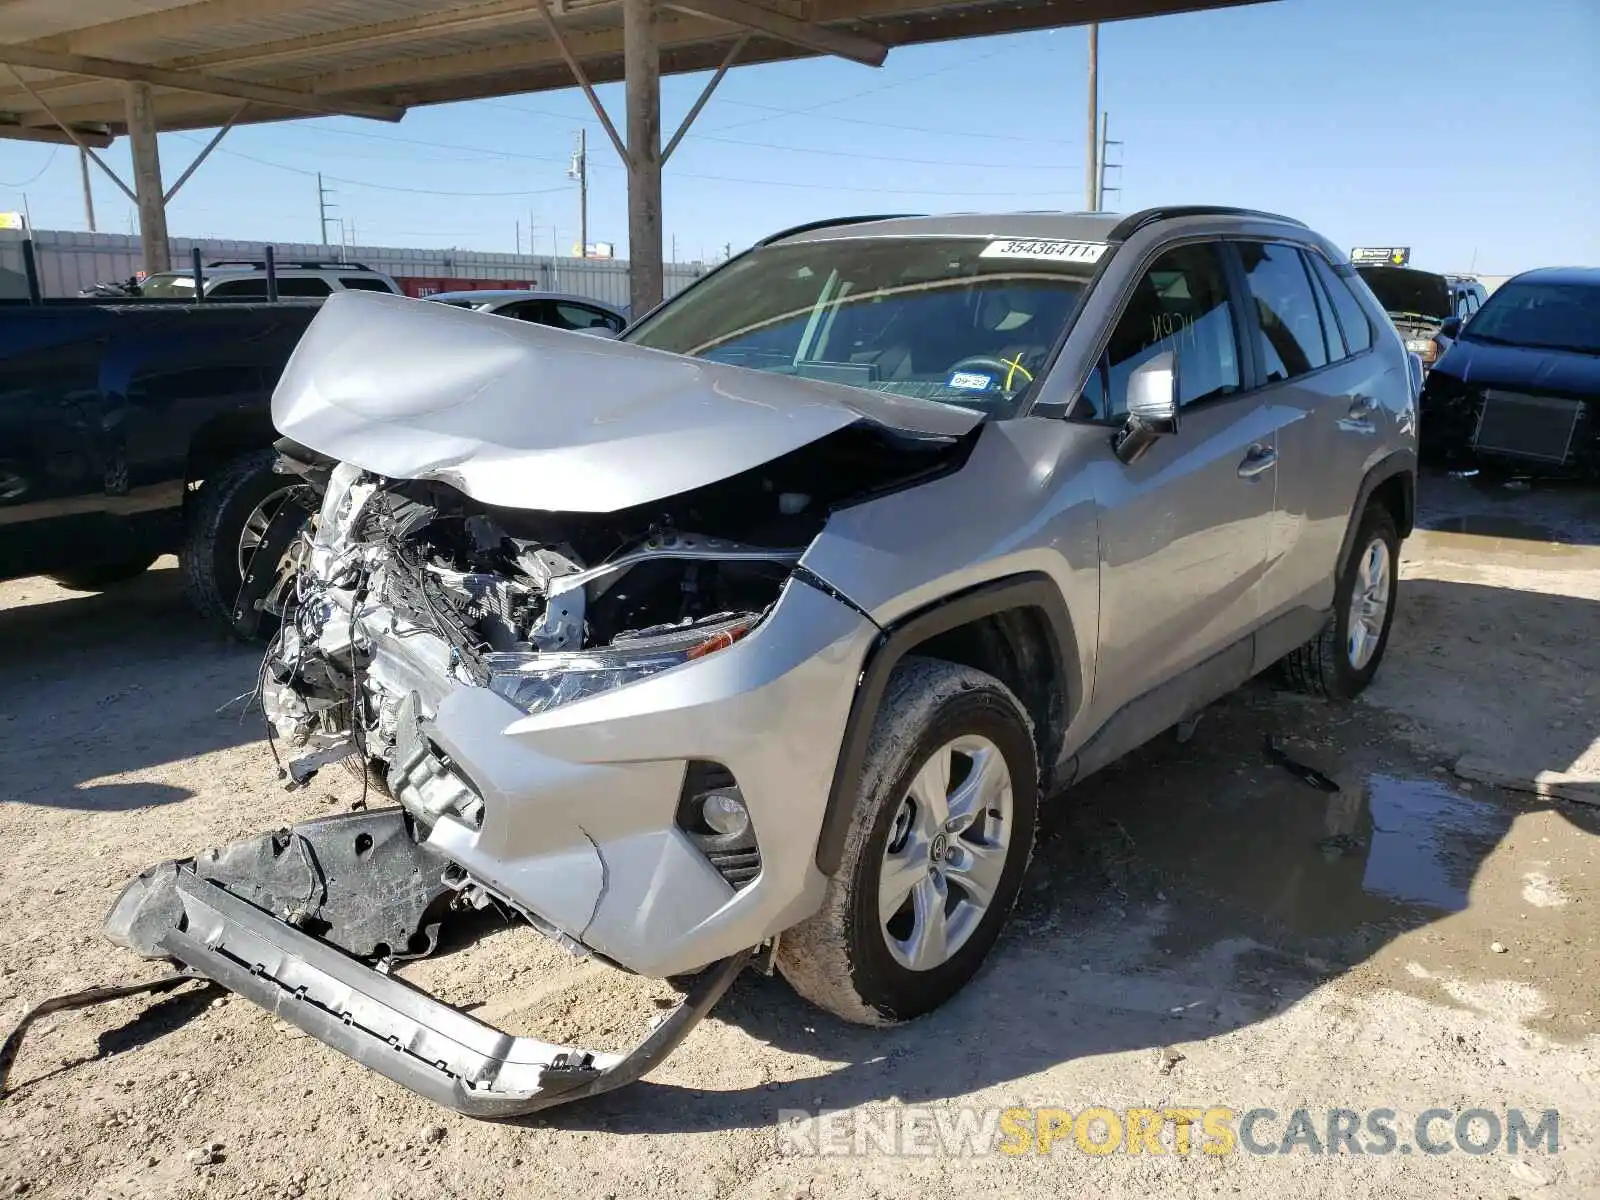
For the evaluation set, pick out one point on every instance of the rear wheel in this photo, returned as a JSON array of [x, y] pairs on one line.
[[224, 527], [1342, 659], [941, 834]]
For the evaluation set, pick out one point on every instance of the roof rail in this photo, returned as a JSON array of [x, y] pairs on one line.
[[260, 264], [832, 221], [1130, 225]]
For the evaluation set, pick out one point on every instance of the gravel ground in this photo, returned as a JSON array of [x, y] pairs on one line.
[[1201, 928]]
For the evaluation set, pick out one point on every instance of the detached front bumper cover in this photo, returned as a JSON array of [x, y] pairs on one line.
[[380, 1021]]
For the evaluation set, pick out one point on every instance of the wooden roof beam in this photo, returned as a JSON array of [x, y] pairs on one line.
[[188, 81], [818, 38]]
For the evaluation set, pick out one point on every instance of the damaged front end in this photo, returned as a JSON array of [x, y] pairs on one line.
[[291, 920], [619, 725]]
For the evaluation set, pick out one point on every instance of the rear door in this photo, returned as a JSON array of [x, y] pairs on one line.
[[1314, 341], [1183, 528]]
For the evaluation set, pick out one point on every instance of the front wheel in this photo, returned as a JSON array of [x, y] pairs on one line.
[[942, 831], [1342, 659]]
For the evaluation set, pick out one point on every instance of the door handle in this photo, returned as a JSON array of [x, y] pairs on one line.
[[1260, 460]]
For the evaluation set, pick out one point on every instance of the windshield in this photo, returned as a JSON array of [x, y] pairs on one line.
[[967, 321], [1408, 293], [1543, 316], [168, 285]]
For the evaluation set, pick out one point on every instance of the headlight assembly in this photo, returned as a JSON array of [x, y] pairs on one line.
[[537, 682]]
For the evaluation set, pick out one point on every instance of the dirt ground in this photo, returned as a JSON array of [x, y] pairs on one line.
[[1201, 927]]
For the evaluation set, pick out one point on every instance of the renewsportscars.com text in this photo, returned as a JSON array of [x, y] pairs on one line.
[[1176, 1131]]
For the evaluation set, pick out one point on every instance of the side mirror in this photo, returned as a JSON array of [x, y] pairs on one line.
[[1451, 327], [1152, 406]]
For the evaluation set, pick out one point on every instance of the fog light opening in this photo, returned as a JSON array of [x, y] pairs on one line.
[[724, 813]]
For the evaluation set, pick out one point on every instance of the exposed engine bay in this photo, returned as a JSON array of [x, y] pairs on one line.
[[406, 588]]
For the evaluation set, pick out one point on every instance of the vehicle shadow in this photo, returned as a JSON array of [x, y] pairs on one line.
[[93, 685], [1191, 890]]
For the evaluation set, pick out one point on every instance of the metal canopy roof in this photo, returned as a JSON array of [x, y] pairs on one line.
[[69, 61]]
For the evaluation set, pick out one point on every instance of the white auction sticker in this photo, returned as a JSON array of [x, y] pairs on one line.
[[1034, 248]]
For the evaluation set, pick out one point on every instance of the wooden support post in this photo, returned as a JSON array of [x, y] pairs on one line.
[[642, 64], [147, 178]]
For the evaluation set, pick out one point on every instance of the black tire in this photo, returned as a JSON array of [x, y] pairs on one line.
[[213, 525], [1322, 666], [102, 575], [839, 959]]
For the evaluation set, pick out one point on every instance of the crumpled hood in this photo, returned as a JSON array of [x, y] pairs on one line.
[[524, 416], [1518, 368]]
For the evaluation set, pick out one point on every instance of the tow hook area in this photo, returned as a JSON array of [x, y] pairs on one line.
[[306, 922]]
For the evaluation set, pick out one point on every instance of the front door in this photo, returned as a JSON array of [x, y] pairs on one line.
[[1184, 528]]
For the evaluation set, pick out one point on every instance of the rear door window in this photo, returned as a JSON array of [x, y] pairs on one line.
[[536, 311], [1331, 336], [1353, 322], [363, 283], [580, 316], [304, 285], [240, 287], [1290, 328]]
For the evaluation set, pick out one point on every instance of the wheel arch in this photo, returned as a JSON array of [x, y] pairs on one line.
[[1392, 482], [1017, 629], [225, 438]]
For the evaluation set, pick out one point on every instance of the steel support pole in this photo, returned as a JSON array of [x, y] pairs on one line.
[[642, 65], [147, 178], [88, 192], [1091, 174]]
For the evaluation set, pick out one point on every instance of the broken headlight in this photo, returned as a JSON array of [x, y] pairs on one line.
[[537, 682]]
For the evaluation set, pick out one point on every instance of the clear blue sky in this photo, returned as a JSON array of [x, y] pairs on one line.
[[1466, 129]]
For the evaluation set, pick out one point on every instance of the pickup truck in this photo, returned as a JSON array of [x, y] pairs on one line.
[[131, 430]]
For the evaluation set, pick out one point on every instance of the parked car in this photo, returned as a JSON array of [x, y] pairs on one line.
[[556, 309], [1520, 386], [135, 429], [234, 279], [1419, 302], [1467, 295], [769, 628]]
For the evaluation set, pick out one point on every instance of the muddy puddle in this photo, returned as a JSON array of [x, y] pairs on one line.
[[1234, 844]]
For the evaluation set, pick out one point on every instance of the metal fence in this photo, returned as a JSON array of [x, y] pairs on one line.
[[70, 261]]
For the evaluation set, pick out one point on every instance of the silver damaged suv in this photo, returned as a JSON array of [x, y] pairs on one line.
[[762, 633]]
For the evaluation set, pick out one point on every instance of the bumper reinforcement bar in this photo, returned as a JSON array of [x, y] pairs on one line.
[[380, 1021]]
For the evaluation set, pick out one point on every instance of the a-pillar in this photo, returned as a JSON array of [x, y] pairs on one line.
[[147, 178], [641, 55]]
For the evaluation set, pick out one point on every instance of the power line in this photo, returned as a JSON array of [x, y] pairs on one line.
[[380, 187], [35, 176], [788, 183], [704, 137]]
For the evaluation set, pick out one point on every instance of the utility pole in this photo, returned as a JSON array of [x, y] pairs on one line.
[[1105, 153], [579, 170], [1091, 176], [322, 211], [88, 195]]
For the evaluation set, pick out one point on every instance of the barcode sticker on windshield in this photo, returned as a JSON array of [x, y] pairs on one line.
[[1087, 252]]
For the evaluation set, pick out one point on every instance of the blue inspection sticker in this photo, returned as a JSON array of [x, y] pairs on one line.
[[970, 381]]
